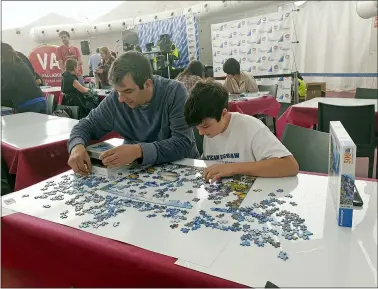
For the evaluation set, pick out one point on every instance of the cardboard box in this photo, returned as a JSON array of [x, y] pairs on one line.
[[342, 168], [94, 152]]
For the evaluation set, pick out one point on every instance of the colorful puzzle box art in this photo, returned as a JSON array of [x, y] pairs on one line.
[[342, 166]]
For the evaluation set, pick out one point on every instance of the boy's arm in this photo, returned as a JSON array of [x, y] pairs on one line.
[[252, 84]]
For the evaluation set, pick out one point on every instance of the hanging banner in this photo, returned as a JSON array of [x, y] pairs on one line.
[[262, 45], [43, 59], [192, 37]]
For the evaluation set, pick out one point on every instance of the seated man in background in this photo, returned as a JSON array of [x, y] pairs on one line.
[[94, 62], [243, 143], [147, 110], [237, 81]]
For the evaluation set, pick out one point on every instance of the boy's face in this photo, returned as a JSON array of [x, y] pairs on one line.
[[210, 127]]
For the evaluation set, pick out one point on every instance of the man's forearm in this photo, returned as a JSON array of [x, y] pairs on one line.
[[272, 168]]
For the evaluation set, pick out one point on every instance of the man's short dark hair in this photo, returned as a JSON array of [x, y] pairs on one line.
[[231, 66], [207, 99], [133, 63], [63, 32]]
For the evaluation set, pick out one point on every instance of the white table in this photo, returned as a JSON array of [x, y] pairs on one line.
[[313, 103], [333, 257], [51, 89], [25, 130]]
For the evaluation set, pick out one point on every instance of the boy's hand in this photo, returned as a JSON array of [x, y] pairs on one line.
[[216, 172]]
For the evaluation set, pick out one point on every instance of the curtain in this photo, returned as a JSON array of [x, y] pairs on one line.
[[334, 39]]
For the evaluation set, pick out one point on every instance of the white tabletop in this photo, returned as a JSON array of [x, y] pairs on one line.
[[25, 130], [51, 89], [313, 103], [332, 256]]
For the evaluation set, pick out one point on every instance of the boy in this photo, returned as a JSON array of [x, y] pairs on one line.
[[243, 143]]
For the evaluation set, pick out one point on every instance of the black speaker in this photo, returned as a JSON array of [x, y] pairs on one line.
[[85, 47]]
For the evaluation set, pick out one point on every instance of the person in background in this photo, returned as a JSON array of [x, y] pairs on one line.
[[94, 62], [38, 79], [18, 86], [66, 51], [145, 109], [242, 143], [103, 70], [114, 54], [193, 73], [237, 81], [302, 87], [71, 87]]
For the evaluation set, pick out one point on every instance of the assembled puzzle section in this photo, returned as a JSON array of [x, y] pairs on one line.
[[98, 168], [342, 167]]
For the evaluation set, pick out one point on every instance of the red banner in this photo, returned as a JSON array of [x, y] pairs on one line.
[[43, 59]]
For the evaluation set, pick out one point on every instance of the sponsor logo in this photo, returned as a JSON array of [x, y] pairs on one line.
[[217, 61], [273, 18], [270, 30], [235, 51], [191, 41], [287, 36], [258, 60], [271, 59], [281, 39], [192, 46], [230, 53], [263, 58], [234, 43], [250, 60], [285, 48], [239, 43], [276, 27], [242, 34], [262, 50], [242, 51], [287, 56], [270, 69], [271, 39], [243, 41], [225, 43], [281, 18], [217, 69], [261, 69], [276, 66], [225, 53], [244, 59], [281, 59], [252, 22], [218, 52], [190, 29]]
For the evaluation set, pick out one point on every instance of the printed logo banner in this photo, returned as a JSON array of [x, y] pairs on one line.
[[192, 37], [261, 44], [43, 59]]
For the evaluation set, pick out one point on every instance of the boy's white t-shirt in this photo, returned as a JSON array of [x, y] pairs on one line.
[[246, 139]]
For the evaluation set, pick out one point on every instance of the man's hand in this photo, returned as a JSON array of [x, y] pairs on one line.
[[216, 172], [79, 160], [122, 155]]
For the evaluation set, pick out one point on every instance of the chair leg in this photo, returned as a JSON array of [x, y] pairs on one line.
[[274, 126]]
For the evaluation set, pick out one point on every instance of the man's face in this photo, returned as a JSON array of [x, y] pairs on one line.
[[210, 127], [65, 39], [130, 93]]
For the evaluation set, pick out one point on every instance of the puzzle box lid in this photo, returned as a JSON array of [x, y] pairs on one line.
[[95, 150], [342, 136]]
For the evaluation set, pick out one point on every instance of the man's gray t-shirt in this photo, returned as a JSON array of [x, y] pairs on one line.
[[159, 127]]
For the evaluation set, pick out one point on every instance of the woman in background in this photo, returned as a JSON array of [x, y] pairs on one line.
[[103, 69], [71, 87], [19, 89], [193, 73]]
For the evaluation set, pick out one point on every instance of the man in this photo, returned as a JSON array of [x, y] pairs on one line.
[[67, 51], [94, 62], [243, 143], [236, 81], [147, 110]]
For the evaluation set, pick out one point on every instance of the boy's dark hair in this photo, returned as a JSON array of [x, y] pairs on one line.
[[133, 63], [207, 99], [71, 64], [231, 66], [63, 32]]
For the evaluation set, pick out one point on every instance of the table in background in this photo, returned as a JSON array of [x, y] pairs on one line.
[[259, 104], [305, 114], [6, 110], [71, 257], [34, 146]]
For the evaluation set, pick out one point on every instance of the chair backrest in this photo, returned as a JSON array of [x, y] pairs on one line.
[[209, 71], [50, 103], [366, 93], [309, 147], [358, 121], [199, 140], [271, 88]]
